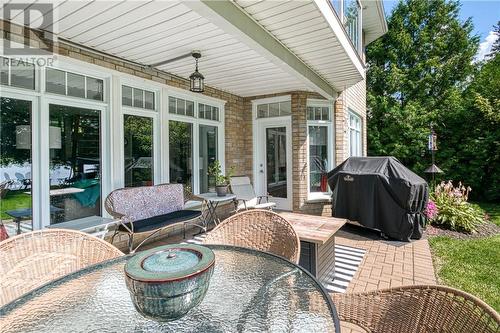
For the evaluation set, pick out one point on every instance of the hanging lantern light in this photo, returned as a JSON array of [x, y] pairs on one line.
[[197, 79]]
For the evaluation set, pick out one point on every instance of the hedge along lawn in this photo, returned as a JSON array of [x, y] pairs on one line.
[[493, 210], [471, 265], [14, 200]]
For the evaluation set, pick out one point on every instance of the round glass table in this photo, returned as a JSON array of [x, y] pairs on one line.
[[250, 291]]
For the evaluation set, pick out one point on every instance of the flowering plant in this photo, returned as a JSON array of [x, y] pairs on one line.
[[431, 211], [453, 210]]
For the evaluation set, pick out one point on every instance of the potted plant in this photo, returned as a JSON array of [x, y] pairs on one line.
[[221, 180]]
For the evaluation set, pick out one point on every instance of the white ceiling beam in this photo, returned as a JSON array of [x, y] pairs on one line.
[[231, 19]]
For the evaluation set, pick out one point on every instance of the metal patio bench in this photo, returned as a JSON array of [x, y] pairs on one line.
[[147, 210]]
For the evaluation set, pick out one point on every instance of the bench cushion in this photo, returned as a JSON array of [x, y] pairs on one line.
[[160, 221]]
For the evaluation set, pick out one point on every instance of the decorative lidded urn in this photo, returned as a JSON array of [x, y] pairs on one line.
[[168, 281]]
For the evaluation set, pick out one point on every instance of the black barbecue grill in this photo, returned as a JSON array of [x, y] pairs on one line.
[[380, 193]]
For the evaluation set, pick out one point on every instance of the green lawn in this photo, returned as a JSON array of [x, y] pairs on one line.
[[470, 265], [493, 210], [14, 200]]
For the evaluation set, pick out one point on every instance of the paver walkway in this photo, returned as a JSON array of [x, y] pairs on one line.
[[386, 264]]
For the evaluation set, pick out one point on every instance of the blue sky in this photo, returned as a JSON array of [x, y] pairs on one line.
[[484, 13]]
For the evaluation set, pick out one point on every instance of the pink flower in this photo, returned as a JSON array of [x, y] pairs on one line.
[[431, 211]]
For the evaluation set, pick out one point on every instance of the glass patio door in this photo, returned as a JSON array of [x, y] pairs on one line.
[[16, 211], [274, 162], [74, 163]]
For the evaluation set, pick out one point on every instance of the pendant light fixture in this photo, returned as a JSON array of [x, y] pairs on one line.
[[197, 79]]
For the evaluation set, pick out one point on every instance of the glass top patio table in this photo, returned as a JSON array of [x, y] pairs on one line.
[[250, 291]]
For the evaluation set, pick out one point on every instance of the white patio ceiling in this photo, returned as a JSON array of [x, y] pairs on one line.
[[149, 32]]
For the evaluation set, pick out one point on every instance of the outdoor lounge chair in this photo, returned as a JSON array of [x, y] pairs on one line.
[[259, 230], [32, 259], [417, 309], [149, 209], [245, 195]]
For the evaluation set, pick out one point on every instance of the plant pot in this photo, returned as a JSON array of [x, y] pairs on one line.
[[221, 190]]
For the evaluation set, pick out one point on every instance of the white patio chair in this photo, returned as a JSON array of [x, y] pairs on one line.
[[246, 197]]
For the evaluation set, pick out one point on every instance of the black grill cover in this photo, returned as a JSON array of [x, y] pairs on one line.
[[380, 193]]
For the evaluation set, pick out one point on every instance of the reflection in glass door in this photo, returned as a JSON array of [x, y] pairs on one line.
[[138, 150], [75, 163], [16, 212], [276, 162]]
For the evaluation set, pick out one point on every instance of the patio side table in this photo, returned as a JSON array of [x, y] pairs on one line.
[[213, 202], [250, 291]]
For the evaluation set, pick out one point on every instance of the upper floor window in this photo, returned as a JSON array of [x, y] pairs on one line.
[[138, 98], [180, 106], [17, 73], [75, 85], [352, 22], [355, 139], [276, 109]]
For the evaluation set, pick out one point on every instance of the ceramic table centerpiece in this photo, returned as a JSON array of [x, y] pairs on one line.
[[168, 281]]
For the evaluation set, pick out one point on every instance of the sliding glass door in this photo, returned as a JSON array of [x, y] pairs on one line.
[[16, 165], [74, 163]]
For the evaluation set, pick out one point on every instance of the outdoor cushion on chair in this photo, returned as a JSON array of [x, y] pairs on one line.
[[160, 221]]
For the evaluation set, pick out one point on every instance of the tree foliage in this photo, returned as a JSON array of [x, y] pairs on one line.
[[422, 72]]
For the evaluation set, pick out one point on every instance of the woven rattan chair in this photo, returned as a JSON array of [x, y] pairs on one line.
[[417, 309], [260, 230], [30, 260]]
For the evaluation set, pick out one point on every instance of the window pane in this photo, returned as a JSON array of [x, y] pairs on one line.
[[55, 81], [310, 113], [138, 98], [181, 106], [15, 163], [138, 140], [22, 74], [274, 110], [285, 108], [149, 100], [325, 113], [201, 111], [317, 113], [95, 89], [172, 108], [126, 96], [190, 108], [75, 163], [318, 158], [262, 110], [215, 113], [208, 155], [180, 152], [4, 70], [76, 85], [276, 162]]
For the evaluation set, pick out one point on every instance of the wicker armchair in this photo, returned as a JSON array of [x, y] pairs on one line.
[[30, 260], [417, 309], [260, 230]]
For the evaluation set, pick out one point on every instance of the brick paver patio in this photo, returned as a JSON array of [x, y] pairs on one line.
[[388, 263]]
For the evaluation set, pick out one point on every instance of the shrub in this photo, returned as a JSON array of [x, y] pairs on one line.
[[454, 212], [431, 211]]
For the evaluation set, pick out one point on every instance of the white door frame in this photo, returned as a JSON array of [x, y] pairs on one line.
[[259, 157], [44, 143]]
